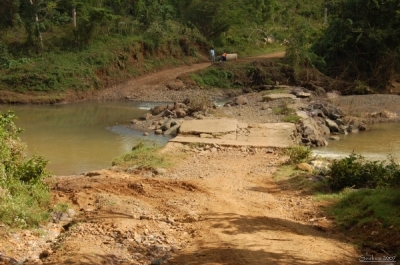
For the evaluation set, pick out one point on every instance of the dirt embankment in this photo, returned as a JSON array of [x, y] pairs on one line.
[[217, 205]]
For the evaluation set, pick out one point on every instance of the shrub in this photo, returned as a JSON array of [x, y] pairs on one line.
[[24, 197], [142, 157], [298, 154], [354, 171]]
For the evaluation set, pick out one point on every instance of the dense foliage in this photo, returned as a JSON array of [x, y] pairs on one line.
[[355, 171], [24, 199], [49, 45], [362, 41]]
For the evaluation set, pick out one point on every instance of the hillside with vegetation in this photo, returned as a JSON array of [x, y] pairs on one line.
[[54, 48]]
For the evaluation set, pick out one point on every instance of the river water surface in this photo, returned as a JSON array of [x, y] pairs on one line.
[[80, 137], [381, 140]]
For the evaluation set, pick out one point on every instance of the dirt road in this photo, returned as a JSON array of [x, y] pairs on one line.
[[149, 87], [213, 207]]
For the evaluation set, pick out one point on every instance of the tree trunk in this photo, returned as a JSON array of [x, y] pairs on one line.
[[74, 17], [37, 27], [15, 34]]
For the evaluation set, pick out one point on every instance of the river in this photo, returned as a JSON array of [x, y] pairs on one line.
[[80, 137], [381, 140]]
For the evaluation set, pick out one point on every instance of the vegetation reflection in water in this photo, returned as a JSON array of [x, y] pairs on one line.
[[80, 137]]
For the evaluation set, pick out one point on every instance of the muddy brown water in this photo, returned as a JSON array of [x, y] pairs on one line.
[[80, 137], [376, 144]]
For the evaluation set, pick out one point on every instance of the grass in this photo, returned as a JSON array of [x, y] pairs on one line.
[[365, 206], [291, 118], [143, 157], [24, 205], [214, 77], [370, 216], [61, 207], [367, 212]]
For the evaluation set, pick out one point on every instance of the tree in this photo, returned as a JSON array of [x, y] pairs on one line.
[[362, 41], [9, 16], [33, 14]]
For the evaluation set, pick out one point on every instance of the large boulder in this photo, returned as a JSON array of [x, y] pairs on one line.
[[333, 127], [158, 109]]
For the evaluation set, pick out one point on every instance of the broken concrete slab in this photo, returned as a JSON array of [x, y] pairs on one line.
[[270, 97], [208, 126], [223, 133]]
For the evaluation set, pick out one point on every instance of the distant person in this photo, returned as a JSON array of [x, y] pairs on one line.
[[212, 54], [223, 57]]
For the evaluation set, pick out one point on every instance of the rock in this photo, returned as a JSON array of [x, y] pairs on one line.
[[241, 100], [92, 174], [146, 116], [157, 262], [7, 260], [271, 97], [333, 127], [167, 124], [160, 171], [145, 134], [303, 94], [138, 239], [45, 254], [158, 109], [362, 126], [334, 137], [320, 166], [134, 121], [158, 131], [191, 217], [173, 130], [206, 135], [168, 113], [305, 167], [71, 213], [178, 105], [175, 85], [180, 113]]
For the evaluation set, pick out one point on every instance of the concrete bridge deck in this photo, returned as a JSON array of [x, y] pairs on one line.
[[232, 133]]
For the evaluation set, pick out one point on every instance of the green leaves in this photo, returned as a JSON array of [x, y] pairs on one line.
[[356, 172], [24, 197], [362, 40]]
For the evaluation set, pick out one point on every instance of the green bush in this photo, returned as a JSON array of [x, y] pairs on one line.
[[214, 77], [142, 157], [24, 198], [356, 172], [298, 154]]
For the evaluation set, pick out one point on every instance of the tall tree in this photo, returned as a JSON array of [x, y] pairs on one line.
[[34, 13], [362, 41], [9, 16]]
